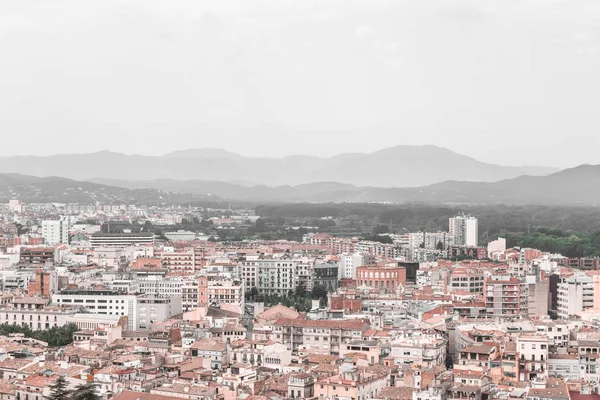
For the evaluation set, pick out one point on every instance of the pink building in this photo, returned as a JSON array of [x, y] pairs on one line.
[[352, 383], [369, 348]]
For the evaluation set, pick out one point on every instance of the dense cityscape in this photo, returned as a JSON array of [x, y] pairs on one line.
[[300, 200], [119, 298]]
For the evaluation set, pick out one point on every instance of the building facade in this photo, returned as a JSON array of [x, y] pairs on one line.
[[464, 230]]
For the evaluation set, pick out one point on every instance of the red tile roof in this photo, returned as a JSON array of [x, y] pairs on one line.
[[341, 324]]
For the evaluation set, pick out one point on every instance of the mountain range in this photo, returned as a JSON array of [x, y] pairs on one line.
[[397, 167], [577, 186]]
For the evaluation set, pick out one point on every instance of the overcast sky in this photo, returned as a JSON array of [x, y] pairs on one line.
[[509, 81]]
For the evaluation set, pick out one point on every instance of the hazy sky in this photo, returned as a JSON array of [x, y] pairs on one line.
[[508, 81]]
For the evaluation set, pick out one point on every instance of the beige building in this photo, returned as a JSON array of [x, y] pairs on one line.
[[533, 356], [34, 313]]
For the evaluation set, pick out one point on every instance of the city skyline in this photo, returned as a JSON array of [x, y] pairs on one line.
[[300, 200]]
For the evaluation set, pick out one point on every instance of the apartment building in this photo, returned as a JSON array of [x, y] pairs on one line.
[[462, 279], [43, 283], [575, 294], [121, 239], [304, 273], [506, 297], [326, 275], [334, 244], [301, 385], [564, 366], [36, 255], [248, 271], [378, 249], [216, 353], [151, 309], [102, 301], [317, 336], [351, 383], [538, 290], [158, 285], [263, 354], [430, 240], [418, 350], [276, 277], [55, 232], [477, 356], [533, 356], [186, 260], [348, 264], [557, 332], [369, 349], [223, 291], [464, 230], [588, 351], [35, 313]]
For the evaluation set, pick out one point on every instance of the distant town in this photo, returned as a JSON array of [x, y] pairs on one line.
[[118, 297]]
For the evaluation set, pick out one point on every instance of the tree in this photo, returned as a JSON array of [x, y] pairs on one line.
[[300, 290], [254, 292], [59, 390], [379, 238], [318, 292], [148, 227], [55, 336], [379, 229], [260, 224], [385, 239], [86, 391], [440, 245], [206, 223]]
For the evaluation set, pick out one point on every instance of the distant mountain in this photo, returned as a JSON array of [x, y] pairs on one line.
[[32, 189], [313, 192], [575, 186], [401, 166]]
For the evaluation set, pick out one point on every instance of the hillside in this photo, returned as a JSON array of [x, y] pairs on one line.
[[31, 189], [401, 166], [575, 186]]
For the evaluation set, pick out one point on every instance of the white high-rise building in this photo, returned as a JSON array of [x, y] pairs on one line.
[[465, 230], [348, 264], [101, 301], [55, 232], [575, 294]]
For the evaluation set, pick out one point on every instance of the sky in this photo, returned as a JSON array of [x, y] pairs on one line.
[[513, 82]]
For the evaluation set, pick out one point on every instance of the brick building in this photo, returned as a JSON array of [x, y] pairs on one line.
[[384, 277]]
